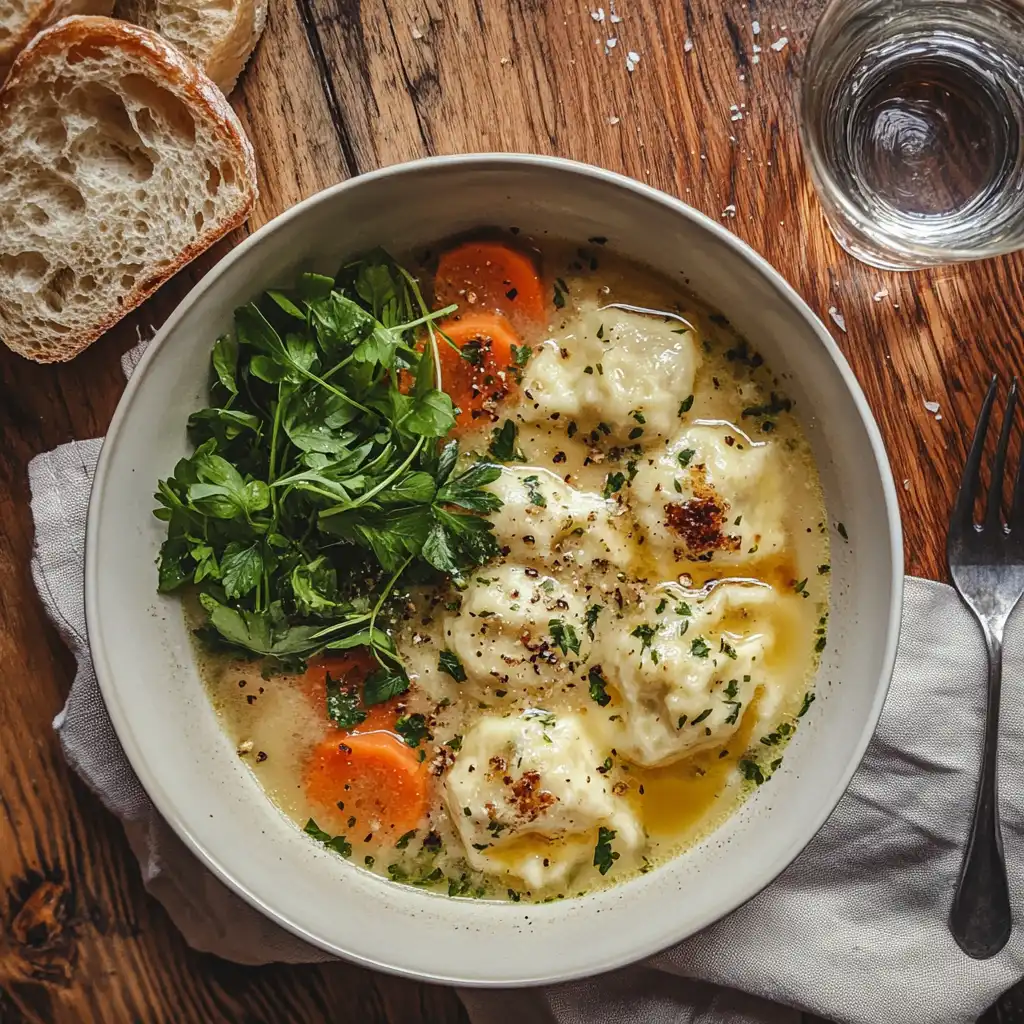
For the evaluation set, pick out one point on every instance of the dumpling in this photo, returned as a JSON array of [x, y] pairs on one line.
[[687, 677], [624, 370], [543, 517], [712, 495], [517, 627], [527, 799]]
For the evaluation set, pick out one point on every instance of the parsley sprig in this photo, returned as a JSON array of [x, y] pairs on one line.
[[322, 479]]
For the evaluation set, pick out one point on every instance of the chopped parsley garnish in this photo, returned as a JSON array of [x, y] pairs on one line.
[[842, 531], [732, 689], [405, 838], [606, 766], [700, 718], [727, 649], [512, 894], [699, 647], [683, 609], [734, 715], [800, 586], [613, 483], [564, 636], [685, 455], [343, 705], [776, 404], [592, 613], [645, 634], [561, 290], [638, 416], [751, 770], [521, 354], [809, 699], [685, 405], [824, 570], [413, 729], [662, 605], [532, 492], [604, 855], [635, 433], [449, 663], [598, 686], [820, 645], [339, 844], [503, 446], [454, 744]]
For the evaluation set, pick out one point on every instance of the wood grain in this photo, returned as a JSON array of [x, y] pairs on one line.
[[339, 87]]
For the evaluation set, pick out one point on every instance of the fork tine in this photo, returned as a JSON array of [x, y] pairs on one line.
[[963, 510], [995, 486]]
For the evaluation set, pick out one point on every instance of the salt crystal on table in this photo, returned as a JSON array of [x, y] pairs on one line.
[[729, 211], [632, 59], [687, 45], [932, 406], [779, 44], [879, 295], [598, 15], [610, 43], [837, 318], [616, 18], [756, 27], [613, 120]]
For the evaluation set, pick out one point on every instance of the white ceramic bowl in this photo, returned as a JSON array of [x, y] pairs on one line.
[[156, 700]]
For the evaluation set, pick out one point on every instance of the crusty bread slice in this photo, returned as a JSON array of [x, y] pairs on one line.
[[20, 20], [121, 161], [218, 35]]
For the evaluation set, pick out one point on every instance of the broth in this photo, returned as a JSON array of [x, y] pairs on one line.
[[761, 600]]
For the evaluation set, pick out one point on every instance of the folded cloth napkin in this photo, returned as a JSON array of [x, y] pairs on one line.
[[855, 929]]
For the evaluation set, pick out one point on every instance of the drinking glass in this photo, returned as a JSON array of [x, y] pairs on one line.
[[912, 121]]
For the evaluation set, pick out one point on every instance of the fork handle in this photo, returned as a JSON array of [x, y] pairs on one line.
[[980, 918]]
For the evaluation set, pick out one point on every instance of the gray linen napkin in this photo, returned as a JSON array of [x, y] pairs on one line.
[[854, 930]]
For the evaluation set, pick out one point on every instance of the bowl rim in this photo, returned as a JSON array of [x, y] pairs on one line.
[[133, 748]]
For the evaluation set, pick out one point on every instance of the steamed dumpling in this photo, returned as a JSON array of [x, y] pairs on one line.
[[629, 371], [686, 678], [542, 518], [712, 495], [527, 799], [517, 627]]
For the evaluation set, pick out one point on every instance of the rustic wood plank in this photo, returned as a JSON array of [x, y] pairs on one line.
[[338, 87]]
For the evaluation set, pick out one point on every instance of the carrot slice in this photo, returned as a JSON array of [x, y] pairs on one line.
[[373, 777], [350, 668], [480, 374], [491, 277]]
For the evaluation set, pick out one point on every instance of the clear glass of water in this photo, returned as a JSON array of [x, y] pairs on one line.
[[913, 127]]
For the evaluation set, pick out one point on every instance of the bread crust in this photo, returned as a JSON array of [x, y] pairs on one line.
[[46, 13], [175, 72]]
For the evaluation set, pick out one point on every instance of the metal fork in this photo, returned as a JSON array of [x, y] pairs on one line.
[[986, 562]]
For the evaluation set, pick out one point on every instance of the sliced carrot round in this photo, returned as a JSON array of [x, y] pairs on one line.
[[481, 373], [373, 777], [490, 277], [349, 668]]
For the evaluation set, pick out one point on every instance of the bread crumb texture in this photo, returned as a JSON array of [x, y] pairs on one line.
[[122, 162]]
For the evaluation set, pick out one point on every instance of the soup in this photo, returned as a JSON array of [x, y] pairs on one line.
[[635, 638]]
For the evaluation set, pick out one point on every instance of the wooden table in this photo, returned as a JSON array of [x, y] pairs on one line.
[[338, 87]]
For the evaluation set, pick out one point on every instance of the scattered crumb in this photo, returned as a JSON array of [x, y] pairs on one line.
[[755, 59], [729, 211], [938, 416], [881, 294], [906, 485], [757, 49], [416, 33], [632, 59], [598, 15], [755, 27], [837, 318], [613, 120], [780, 44], [505, 60], [932, 406], [687, 45]]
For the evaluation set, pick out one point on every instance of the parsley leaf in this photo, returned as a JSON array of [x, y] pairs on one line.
[[503, 443], [413, 729], [598, 687], [448, 661], [343, 705], [604, 855], [564, 636]]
